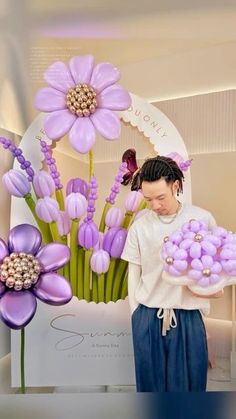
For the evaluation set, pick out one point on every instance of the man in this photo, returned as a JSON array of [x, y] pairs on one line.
[[169, 337]]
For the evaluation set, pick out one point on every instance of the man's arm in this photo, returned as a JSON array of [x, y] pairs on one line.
[[134, 276]]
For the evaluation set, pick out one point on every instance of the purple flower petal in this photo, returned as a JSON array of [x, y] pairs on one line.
[[180, 265], [216, 268], [185, 244], [24, 238], [58, 123], [59, 76], [115, 98], [49, 99], [3, 250], [195, 251], [2, 288], [17, 308], [53, 256], [214, 278], [107, 123], [81, 68], [104, 74], [207, 261], [174, 271], [193, 274], [82, 135], [208, 247], [204, 281], [53, 289], [197, 264]]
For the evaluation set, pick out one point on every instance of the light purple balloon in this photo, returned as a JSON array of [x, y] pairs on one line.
[[132, 201], [114, 217], [47, 209], [88, 234], [114, 241], [16, 183], [24, 238], [100, 261], [208, 248], [43, 184], [63, 223], [53, 256], [195, 250], [76, 205]]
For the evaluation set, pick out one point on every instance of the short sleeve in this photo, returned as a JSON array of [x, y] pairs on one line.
[[131, 251]]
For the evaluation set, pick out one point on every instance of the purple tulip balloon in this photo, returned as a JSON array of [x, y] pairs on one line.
[[28, 271], [76, 205], [43, 184], [114, 217], [132, 201], [88, 234], [16, 183], [100, 261], [47, 209], [77, 185], [114, 241]]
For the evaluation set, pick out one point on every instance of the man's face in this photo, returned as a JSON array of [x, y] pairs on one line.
[[160, 195]]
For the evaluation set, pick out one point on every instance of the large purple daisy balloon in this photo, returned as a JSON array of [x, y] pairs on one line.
[[80, 99], [28, 271]]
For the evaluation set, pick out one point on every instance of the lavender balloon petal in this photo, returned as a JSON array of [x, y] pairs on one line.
[[195, 251], [207, 261], [24, 238], [204, 281], [193, 274], [118, 243], [180, 265], [3, 250], [53, 256], [197, 264], [17, 308], [108, 238], [214, 278], [216, 268], [209, 248], [53, 289]]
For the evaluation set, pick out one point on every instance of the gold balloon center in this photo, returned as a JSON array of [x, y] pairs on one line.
[[169, 260], [19, 271], [81, 100], [166, 238], [198, 238], [206, 272]]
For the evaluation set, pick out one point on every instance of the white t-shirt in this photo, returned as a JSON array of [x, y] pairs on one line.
[[143, 247]]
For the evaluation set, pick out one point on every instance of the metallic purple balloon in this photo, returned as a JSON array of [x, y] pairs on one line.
[[77, 185], [53, 289], [53, 256], [24, 238], [17, 308], [3, 250], [88, 235]]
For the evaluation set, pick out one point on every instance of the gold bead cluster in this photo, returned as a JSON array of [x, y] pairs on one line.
[[19, 270], [206, 272], [81, 100], [169, 260]]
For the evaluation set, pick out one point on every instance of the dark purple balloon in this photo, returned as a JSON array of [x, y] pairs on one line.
[[24, 238], [53, 256], [77, 185], [53, 289], [17, 308], [88, 234]]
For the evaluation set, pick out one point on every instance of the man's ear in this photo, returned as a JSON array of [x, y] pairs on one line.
[[175, 186]]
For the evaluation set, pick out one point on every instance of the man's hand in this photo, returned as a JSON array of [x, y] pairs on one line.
[[217, 294]]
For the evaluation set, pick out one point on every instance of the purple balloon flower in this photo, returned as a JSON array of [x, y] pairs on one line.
[[47, 209], [200, 243], [80, 100], [205, 271], [76, 205], [228, 258], [88, 234], [114, 217], [43, 184], [16, 183], [100, 261], [175, 259], [183, 164], [133, 200], [63, 223], [99, 244], [77, 185], [28, 271], [114, 241]]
